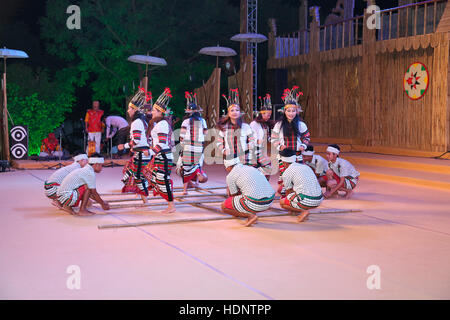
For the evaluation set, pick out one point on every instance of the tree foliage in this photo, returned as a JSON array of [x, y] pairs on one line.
[[41, 116], [113, 30]]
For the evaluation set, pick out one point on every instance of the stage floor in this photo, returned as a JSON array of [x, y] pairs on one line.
[[404, 231]]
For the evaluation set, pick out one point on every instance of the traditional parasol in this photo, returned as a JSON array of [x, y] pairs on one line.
[[8, 54], [254, 38], [218, 52], [249, 37], [147, 60]]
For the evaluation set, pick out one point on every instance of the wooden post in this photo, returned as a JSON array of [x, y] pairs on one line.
[[369, 103], [243, 29], [271, 38], [314, 64], [5, 130]]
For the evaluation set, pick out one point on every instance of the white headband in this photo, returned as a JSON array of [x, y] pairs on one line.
[[333, 150], [290, 159], [232, 162], [80, 157], [308, 153], [96, 160]]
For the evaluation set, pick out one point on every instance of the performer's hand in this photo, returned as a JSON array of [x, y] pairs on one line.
[[105, 205], [329, 174], [282, 148], [146, 153], [120, 147]]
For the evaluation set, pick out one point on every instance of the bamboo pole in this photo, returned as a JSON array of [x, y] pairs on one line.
[[176, 188], [221, 217], [143, 205], [179, 197]]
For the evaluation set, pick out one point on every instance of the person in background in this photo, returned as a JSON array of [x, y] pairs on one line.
[[116, 129], [94, 125], [50, 147]]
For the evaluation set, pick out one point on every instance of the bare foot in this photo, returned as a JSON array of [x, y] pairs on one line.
[[68, 210], [348, 194], [184, 192], [251, 220], [170, 209], [57, 204], [85, 212], [303, 216], [144, 199]]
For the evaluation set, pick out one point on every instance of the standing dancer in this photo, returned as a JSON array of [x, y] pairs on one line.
[[161, 150], [261, 130], [192, 138], [134, 178], [52, 184], [290, 132], [236, 140]]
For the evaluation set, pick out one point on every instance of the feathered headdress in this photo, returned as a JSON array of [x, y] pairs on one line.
[[233, 98], [191, 103], [163, 101], [140, 99], [266, 103], [290, 98]]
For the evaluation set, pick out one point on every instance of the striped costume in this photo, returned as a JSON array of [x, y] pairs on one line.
[[161, 151], [239, 142], [74, 185], [134, 178], [292, 142], [192, 138], [342, 169], [256, 193], [262, 161], [52, 184], [307, 191]]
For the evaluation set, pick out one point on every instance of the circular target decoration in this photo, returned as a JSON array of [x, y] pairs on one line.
[[18, 133], [416, 80], [18, 151]]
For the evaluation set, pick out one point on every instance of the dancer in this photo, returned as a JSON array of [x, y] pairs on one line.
[[318, 164], [192, 138], [236, 140], [249, 191], [134, 178], [341, 175], [161, 150], [290, 132], [52, 184], [79, 186], [303, 190], [261, 127]]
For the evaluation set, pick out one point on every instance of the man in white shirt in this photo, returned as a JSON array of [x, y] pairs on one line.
[[79, 185], [249, 191], [318, 164], [117, 130], [341, 175], [52, 184], [303, 191]]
